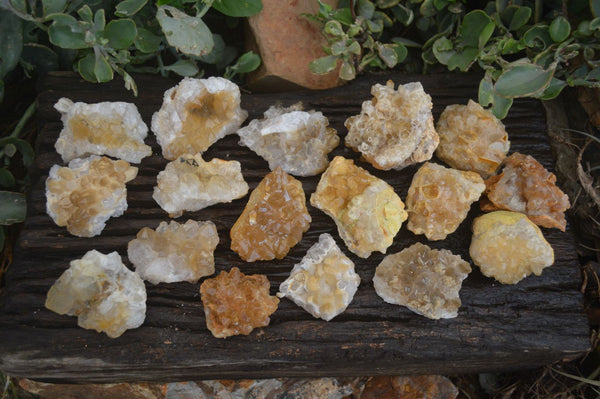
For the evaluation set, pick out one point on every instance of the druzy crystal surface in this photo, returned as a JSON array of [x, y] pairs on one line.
[[425, 280], [472, 138], [297, 141], [195, 114], [439, 199], [526, 186], [174, 252], [394, 129], [324, 282], [273, 220], [367, 211], [84, 195], [190, 184], [509, 247], [235, 303], [103, 294], [107, 128]]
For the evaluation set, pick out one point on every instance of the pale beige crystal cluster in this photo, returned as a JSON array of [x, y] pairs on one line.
[[196, 113], [273, 220], [174, 252], [190, 184], [367, 211], [439, 199], [298, 141], [324, 282], [509, 247], [472, 138], [526, 186], [425, 280], [84, 195], [103, 294], [107, 128], [394, 129], [235, 303]]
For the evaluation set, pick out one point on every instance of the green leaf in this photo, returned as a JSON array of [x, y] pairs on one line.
[[188, 34], [559, 29], [338, 48], [511, 46], [85, 13], [553, 89], [443, 49], [537, 36], [427, 9], [476, 29], [183, 68], [347, 71], [520, 18], [403, 14], [354, 48], [64, 36], [595, 7], [19, 5], [13, 207], [440, 4], [333, 28], [99, 20], [120, 33], [323, 65], [238, 8], [95, 69], [53, 6], [463, 59], [146, 41], [523, 80], [387, 3], [343, 15], [102, 70], [375, 26], [26, 151], [595, 24], [7, 180], [128, 8], [487, 96], [10, 150], [11, 42], [247, 62], [216, 55], [365, 9], [387, 54]]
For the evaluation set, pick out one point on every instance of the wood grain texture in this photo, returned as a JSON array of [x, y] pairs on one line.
[[499, 327]]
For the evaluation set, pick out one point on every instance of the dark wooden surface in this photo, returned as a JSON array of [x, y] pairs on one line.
[[499, 327]]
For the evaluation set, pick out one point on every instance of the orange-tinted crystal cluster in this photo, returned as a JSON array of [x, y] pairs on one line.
[[235, 303]]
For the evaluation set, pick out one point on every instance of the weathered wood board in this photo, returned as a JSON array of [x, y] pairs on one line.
[[499, 327]]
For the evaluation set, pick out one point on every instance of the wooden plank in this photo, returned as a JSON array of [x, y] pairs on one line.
[[499, 327]]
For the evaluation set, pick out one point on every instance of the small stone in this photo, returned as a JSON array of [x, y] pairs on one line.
[[190, 184], [367, 211], [509, 247], [395, 129], [84, 195], [273, 220], [439, 199], [195, 114], [324, 282], [107, 128], [94, 391], [174, 252], [103, 294], [525, 186], [296, 140], [472, 138], [425, 280], [410, 387], [235, 303]]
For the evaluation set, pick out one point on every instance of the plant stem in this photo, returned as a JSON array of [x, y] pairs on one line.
[[538, 10], [26, 116]]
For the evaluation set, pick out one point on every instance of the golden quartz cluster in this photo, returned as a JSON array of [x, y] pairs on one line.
[[394, 129]]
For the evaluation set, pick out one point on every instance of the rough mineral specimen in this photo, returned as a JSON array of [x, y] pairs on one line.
[[296, 140], [367, 211], [395, 129], [235, 303], [107, 128], [509, 247], [525, 186], [103, 294], [439, 199], [425, 280], [190, 184], [324, 282], [273, 220], [85, 194], [174, 252], [195, 114], [472, 138]]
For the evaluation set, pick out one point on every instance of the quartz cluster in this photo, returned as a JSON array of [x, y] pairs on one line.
[[273, 220], [439, 199], [84, 195], [395, 129], [190, 184], [295, 140], [324, 282], [174, 252], [235, 303], [367, 211], [108, 128], [525, 186], [509, 247], [195, 114], [103, 294], [472, 138], [425, 280]]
